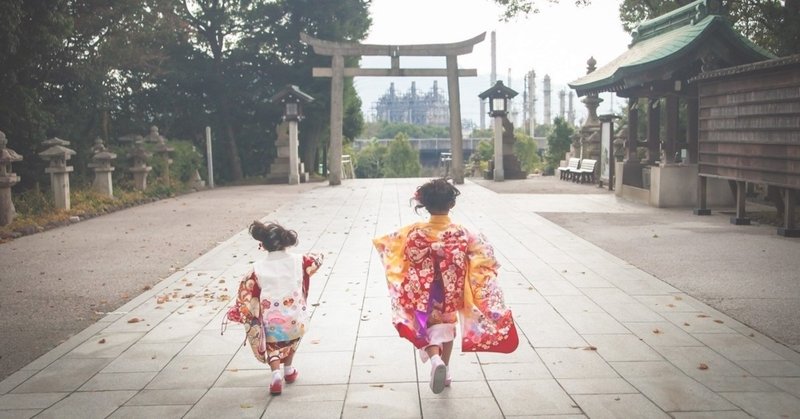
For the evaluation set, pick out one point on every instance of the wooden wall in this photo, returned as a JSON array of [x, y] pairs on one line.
[[749, 123]]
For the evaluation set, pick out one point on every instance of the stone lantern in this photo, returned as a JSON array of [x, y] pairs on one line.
[[140, 169], [163, 151], [7, 180], [101, 164], [57, 154], [292, 99], [498, 96], [589, 142]]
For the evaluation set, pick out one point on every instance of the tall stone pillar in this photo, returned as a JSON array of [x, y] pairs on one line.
[[140, 169], [57, 154], [7, 179], [101, 164], [589, 132], [499, 172]]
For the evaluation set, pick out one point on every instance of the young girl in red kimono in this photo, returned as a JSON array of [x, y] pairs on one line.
[[438, 271], [271, 302]]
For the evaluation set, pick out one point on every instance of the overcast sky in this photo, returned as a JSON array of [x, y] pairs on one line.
[[557, 41]]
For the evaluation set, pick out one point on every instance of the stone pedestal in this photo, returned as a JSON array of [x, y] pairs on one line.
[[294, 176], [7, 179], [140, 177], [279, 169], [102, 181], [7, 210], [60, 185], [101, 163], [140, 168], [512, 169], [58, 154], [499, 174]]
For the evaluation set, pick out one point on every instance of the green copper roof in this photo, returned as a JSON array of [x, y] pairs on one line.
[[659, 41]]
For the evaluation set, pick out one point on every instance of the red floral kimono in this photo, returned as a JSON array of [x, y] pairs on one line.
[[418, 256]]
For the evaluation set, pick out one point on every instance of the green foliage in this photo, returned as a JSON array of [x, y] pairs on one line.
[[79, 70], [33, 202], [370, 160], [402, 160], [558, 143], [482, 133], [527, 151], [485, 150], [772, 24], [384, 129]]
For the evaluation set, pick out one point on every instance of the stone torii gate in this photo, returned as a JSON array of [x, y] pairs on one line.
[[337, 72]]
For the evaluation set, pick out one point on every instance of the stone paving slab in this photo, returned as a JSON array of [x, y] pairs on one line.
[[599, 337]]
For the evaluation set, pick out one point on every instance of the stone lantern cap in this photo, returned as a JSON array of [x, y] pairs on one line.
[[140, 153], [7, 155], [57, 153], [154, 136]]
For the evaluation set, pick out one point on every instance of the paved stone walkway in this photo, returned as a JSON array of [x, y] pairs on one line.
[[599, 337]]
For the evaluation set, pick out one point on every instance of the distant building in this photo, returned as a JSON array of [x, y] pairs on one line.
[[412, 108]]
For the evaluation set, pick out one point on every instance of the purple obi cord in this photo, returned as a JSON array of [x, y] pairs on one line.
[[436, 296]]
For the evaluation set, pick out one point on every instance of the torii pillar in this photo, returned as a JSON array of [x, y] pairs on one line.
[[337, 72]]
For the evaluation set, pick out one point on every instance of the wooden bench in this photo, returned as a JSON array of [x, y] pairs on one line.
[[585, 173], [566, 172]]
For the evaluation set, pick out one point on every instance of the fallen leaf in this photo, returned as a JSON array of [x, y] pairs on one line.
[[221, 281], [686, 324], [702, 366], [102, 340], [678, 297], [590, 348], [147, 287], [134, 320], [703, 316], [671, 305], [246, 406], [376, 385], [657, 331], [719, 321]]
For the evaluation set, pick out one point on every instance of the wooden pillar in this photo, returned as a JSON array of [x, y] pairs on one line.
[[337, 116], [741, 214], [789, 228], [702, 205], [670, 143], [456, 141], [692, 126], [633, 129], [653, 130]]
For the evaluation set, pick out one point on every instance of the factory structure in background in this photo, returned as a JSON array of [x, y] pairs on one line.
[[431, 108]]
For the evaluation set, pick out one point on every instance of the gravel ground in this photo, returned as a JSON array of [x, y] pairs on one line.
[[56, 283]]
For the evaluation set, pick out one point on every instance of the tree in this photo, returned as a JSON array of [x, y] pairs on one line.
[[527, 152], [402, 160], [370, 160], [558, 142], [772, 24], [515, 8]]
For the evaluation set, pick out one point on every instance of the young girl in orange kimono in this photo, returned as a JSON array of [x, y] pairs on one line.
[[438, 271]]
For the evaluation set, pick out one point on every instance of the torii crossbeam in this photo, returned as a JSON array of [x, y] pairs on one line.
[[337, 72]]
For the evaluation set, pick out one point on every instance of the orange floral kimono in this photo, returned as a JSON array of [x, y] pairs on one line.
[[271, 303], [419, 255]]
